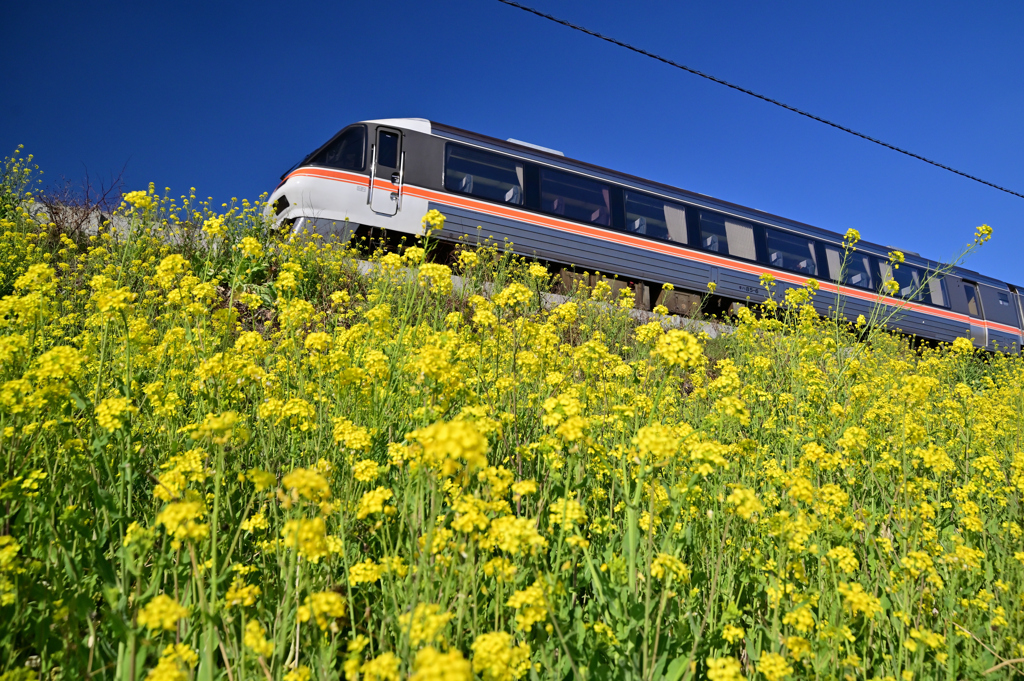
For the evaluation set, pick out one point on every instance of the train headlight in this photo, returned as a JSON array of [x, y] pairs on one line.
[[281, 204]]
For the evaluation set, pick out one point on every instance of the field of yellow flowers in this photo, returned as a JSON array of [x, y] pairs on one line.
[[229, 455]]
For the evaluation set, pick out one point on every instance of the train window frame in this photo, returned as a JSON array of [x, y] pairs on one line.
[[322, 150], [1015, 299], [532, 190], [996, 304], [611, 187], [676, 229], [836, 271], [786, 234], [395, 135], [754, 230], [888, 271], [980, 309], [931, 279], [511, 199]]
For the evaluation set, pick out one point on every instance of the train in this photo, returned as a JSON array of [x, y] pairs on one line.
[[382, 176]]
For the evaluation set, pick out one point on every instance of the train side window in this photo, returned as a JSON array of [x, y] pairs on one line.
[[908, 279], [834, 258], [859, 271], [387, 149], [792, 252], [937, 290], [858, 268], [1004, 298], [479, 173], [654, 217], [723, 234], [575, 197], [347, 151], [973, 303]]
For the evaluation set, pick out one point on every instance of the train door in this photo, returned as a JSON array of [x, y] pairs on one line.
[[974, 308], [386, 172]]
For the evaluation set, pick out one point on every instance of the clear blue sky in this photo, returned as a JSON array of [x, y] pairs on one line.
[[225, 98]]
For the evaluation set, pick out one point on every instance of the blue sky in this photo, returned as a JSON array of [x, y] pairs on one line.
[[225, 97]]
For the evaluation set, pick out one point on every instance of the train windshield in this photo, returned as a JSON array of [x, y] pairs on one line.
[[347, 151]]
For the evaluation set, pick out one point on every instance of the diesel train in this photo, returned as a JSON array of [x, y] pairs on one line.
[[386, 174]]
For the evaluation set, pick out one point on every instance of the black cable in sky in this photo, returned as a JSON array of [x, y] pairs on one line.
[[726, 83]]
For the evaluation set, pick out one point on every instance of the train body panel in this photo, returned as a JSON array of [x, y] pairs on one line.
[[569, 248], [633, 263], [388, 173], [325, 197]]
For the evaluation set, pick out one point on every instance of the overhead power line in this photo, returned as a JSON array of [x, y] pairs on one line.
[[745, 91]]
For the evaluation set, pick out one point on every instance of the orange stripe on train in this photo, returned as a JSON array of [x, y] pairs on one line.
[[644, 244]]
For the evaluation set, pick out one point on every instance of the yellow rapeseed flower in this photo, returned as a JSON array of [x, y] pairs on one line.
[[255, 639], [433, 665], [773, 666], [163, 612], [372, 502], [425, 624], [678, 348], [325, 607], [724, 669], [180, 520], [307, 484], [858, 601], [249, 247], [241, 594], [308, 536], [444, 444], [384, 667], [496, 658], [112, 412]]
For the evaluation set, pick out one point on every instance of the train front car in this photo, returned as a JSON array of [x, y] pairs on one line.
[[358, 178]]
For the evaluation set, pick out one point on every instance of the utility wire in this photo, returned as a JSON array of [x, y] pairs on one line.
[[726, 83]]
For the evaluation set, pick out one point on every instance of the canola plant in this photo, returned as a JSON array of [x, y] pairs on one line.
[[230, 455]]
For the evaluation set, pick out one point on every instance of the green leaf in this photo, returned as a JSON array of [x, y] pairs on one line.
[[676, 669]]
